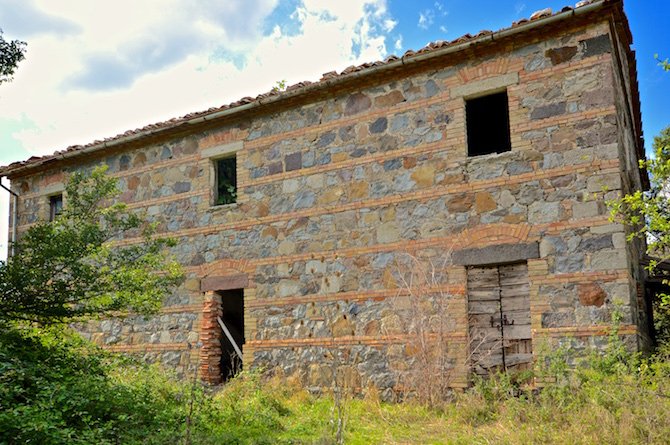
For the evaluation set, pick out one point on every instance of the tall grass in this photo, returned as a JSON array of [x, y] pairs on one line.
[[55, 391]]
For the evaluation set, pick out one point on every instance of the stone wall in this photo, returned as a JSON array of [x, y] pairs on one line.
[[333, 196]]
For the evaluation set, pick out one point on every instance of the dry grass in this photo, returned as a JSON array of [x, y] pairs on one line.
[[619, 405]]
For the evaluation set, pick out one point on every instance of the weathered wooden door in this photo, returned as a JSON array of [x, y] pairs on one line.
[[499, 318]]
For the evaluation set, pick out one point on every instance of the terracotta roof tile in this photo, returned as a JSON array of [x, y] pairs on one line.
[[541, 13]]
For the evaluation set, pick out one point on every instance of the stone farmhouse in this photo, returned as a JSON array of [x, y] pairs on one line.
[[300, 213]]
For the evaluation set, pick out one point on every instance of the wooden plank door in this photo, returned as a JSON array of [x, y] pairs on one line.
[[515, 308], [484, 313], [499, 318]]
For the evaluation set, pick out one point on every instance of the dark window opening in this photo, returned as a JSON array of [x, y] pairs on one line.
[[232, 303], [226, 181], [55, 206], [487, 121]]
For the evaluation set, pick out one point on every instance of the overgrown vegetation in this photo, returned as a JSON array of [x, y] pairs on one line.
[[56, 389], [647, 217], [66, 270]]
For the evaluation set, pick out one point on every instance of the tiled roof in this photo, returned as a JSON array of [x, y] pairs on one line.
[[291, 91]]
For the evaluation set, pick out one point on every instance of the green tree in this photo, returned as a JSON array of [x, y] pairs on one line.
[[11, 53], [647, 215], [71, 269]]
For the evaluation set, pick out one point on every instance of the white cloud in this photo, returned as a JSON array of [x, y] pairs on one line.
[[519, 8], [439, 7], [444, 29], [23, 17], [426, 19], [398, 44], [122, 70], [389, 24]]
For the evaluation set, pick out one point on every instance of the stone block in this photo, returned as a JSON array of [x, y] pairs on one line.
[[558, 319], [286, 247], [551, 110], [378, 126], [609, 260], [591, 294], [569, 263], [388, 233], [596, 45], [315, 181], [502, 253], [290, 186], [275, 168], [315, 267], [595, 243], [485, 86], [561, 55], [342, 327], [424, 176], [390, 99], [356, 103], [238, 281], [331, 284], [619, 240], [293, 161], [607, 228], [288, 288], [585, 209], [222, 150], [460, 203], [484, 202], [325, 139], [608, 182], [543, 212]]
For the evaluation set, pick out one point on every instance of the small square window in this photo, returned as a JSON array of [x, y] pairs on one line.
[[55, 206], [487, 120], [226, 180]]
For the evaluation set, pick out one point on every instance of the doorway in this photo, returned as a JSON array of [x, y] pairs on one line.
[[499, 318], [232, 332]]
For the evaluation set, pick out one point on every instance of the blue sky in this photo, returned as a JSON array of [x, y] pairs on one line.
[[94, 70]]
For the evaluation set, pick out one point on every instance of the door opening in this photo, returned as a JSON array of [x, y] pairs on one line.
[[232, 332], [499, 318]]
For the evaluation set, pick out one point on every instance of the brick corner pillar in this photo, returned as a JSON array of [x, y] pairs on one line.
[[210, 335]]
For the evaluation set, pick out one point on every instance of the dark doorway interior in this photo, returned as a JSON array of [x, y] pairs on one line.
[[232, 302]]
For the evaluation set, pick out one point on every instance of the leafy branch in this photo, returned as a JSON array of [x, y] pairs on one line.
[[66, 270]]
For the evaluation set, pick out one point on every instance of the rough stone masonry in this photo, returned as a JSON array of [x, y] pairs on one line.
[[344, 183]]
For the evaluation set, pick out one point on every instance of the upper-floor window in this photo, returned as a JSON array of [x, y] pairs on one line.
[[226, 180], [55, 206], [487, 121]]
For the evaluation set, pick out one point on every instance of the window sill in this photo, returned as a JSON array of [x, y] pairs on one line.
[[492, 154], [221, 207]]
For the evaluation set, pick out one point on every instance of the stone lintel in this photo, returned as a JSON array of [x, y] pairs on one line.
[[498, 254], [239, 281], [485, 86], [221, 151], [53, 189]]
